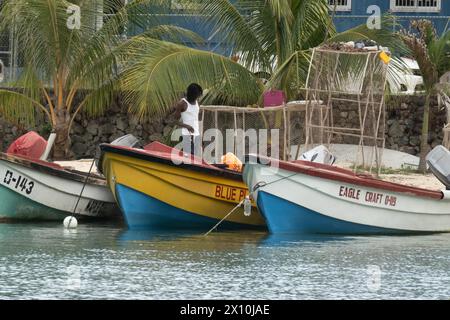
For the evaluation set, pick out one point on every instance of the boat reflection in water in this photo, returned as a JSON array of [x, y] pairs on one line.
[[191, 240], [293, 239]]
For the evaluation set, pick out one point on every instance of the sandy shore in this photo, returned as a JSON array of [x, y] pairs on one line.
[[424, 181], [427, 181]]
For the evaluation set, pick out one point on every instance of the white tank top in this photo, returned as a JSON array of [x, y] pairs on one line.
[[190, 117]]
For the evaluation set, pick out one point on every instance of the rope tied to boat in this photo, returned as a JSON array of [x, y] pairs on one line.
[[84, 185], [257, 186], [264, 184], [223, 219]]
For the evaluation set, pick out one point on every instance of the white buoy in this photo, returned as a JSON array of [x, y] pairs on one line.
[[247, 206], [70, 222]]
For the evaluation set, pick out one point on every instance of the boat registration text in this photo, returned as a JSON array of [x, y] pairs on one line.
[[229, 193], [17, 182], [368, 196]]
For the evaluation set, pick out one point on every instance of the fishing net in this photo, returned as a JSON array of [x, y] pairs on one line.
[[269, 131]]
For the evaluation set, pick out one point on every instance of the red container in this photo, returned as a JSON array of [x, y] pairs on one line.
[[274, 98]]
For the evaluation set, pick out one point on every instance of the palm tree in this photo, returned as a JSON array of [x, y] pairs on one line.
[[433, 56], [72, 61], [276, 37], [60, 61], [268, 37], [70, 70]]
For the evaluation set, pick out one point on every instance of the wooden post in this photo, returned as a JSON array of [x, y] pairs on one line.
[[216, 124], [235, 132], [285, 151]]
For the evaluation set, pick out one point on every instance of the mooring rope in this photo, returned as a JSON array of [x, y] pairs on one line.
[[84, 185], [228, 214], [263, 183], [240, 203]]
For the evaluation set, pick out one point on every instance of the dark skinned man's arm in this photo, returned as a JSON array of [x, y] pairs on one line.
[[181, 107]]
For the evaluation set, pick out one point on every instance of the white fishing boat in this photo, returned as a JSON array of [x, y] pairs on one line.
[[307, 197], [35, 189]]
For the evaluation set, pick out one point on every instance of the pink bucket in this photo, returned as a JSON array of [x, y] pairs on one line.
[[274, 98]]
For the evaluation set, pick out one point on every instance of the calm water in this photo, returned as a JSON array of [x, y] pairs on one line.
[[97, 261]]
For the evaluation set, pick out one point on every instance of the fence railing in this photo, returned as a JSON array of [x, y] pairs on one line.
[[7, 57]]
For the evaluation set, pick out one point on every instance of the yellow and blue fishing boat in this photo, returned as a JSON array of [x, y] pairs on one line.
[[158, 187]]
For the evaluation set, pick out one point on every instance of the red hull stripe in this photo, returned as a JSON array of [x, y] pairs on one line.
[[347, 176], [159, 150]]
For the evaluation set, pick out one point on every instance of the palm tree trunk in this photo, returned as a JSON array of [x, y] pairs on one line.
[[424, 139], [62, 141]]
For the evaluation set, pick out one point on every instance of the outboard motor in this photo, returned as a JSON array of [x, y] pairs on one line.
[[30, 145], [319, 154], [125, 141], [438, 160]]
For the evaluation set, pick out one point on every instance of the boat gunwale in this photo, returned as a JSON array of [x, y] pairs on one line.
[[343, 175], [53, 169], [147, 155]]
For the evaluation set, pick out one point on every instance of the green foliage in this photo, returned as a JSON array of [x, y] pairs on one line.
[[157, 72], [272, 36], [276, 37], [153, 68], [46, 129], [94, 61], [431, 51], [433, 56]]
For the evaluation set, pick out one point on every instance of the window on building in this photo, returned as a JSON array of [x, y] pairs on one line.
[[341, 5], [416, 5]]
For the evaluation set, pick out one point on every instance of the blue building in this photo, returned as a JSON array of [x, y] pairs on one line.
[[174, 12], [351, 13]]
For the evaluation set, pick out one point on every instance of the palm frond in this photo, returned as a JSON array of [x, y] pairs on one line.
[[291, 75], [420, 53], [158, 73], [312, 23], [173, 34], [439, 51], [230, 25], [17, 107]]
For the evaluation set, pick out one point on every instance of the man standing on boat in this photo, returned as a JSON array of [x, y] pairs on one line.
[[188, 110]]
